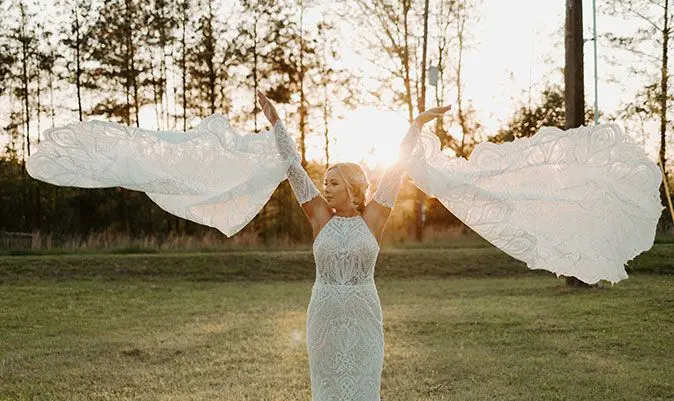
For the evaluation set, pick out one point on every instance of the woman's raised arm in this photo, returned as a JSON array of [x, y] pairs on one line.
[[308, 196], [377, 211], [383, 200]]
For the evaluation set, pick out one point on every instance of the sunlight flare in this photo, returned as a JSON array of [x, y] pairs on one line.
[[368, 135]]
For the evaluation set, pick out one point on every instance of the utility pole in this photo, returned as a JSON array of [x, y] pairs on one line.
[[574, 93]]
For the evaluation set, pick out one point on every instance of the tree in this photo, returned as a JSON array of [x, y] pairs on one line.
[[574, 93], [391, 33], [260, 36], [24, 48], [469, 126], [421, 96], [398, 39], [162, 20], [650, 44], [77, 47], [122, 61], [8, 61], [118, 33], [184, 9], [204, 72], [528, 120], [336, 84], [444, 17]]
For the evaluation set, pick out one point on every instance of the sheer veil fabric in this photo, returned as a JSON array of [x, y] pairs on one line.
[[581, 202], [211, 175]]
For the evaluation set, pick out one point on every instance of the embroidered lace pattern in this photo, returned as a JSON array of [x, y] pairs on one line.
[[302, 185], [345, 336], [580, 202]]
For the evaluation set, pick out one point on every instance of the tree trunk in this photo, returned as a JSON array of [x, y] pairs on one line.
[[132, 55], [421, 196], [156, 94], [326, 128], [460, 24], [303, 109], [255, 86], [406, 62], [24, 81], [664, 220], [162, 123], [51, 95], [212, 79], [184, 65], [78, 68]]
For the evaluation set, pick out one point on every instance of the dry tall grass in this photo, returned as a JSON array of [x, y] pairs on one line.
[[110, 240]]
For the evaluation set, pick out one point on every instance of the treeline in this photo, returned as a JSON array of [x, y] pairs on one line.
[[184, 60], [188, 60], [76, 217]]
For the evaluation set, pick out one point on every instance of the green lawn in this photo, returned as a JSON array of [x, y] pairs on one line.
[[202, 327]]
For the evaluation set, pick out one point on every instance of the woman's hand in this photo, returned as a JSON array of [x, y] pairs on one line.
[[267, 108], [430, 114], [410, 140]]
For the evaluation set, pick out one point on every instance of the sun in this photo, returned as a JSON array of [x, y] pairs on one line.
[[368, 135]]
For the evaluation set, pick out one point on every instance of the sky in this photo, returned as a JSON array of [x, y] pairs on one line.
[[517, 47]]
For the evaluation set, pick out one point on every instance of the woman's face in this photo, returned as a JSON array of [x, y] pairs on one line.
[[334, 190]]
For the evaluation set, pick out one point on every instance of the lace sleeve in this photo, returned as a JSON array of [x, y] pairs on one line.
[[391, 181], [389, 185], [300, 182]]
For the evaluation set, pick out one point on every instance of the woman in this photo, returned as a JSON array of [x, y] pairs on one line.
[[580, 202], [345, 335]]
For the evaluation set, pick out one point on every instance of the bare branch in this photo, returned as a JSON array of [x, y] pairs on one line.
[[641, 53], [655, 3], [635, 12]]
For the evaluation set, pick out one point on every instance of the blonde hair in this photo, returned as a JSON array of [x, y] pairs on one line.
[[356, 182]]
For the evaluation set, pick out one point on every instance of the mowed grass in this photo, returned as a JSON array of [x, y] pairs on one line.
[[203, 327]]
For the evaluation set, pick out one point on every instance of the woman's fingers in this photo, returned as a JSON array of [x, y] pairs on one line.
[[441, 110], [262, 98], [437, 111], [267, 107], [430, 114]]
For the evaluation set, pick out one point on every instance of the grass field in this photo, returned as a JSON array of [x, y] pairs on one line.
[[460, 324]]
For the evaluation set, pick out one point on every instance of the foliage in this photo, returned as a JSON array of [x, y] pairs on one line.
[[528, 120]]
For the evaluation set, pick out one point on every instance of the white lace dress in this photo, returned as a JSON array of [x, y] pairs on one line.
[[345, 331], [345, 334]]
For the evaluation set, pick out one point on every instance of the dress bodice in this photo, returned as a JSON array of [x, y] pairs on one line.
[[345, 251]]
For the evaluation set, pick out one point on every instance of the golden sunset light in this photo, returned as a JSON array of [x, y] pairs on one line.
[[300, 242]]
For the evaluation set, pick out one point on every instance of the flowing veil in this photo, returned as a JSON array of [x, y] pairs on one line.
[[581, 202], [211, 175]]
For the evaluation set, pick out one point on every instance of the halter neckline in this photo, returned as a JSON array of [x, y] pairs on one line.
[[347, 217]]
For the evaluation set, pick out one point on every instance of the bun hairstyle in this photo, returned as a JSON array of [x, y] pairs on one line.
[[356, 181]]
